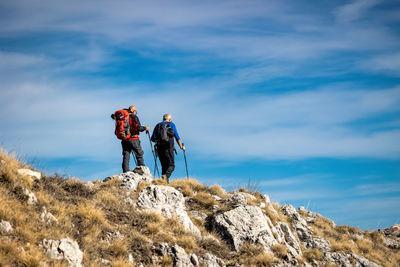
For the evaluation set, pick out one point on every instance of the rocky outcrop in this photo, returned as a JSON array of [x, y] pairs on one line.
[[30, 173], [5, 227], [169, 202], [47, 217], [244, 223], [130, 180], [182, 259], [348, 260], [392, 243], [285, 236], [304, 232], [64, 249], [31, 198], [211, 260]]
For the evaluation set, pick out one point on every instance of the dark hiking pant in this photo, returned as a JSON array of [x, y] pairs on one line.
[[127, 147], [167, 159]]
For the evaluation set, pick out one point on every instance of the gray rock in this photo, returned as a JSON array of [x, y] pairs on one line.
[[363, 262], [286, 237], [194, 259], [31, 197], [349, 260], [216, 198], [169, 202], [392, 243], [211, 260], [304, 232], [30, 173], [320, 243], [131, 180], [181, 258], [47, 217], [215, 208], [237, 200], [338, 258], [198, 215], [64, 249], [5, 227], [266, 198], [244, 223]]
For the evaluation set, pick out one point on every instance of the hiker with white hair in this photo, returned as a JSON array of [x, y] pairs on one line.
[[163, 135]]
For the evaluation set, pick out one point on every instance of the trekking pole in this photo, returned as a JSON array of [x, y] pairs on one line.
[[184, 155], [154, 156]]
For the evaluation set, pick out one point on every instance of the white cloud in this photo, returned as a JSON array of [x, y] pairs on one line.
[[284, 126], [380, 188], [354, 10]]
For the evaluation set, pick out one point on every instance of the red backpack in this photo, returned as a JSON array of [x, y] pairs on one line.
[[125, 126]]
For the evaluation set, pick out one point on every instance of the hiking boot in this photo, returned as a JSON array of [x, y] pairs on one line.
[[165, 178]]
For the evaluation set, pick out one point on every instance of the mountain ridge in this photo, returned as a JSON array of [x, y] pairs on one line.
[[133, 219]]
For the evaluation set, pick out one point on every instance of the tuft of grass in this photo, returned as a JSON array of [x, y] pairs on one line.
[[264, 260], [279, 250], [118, 248], [187, 242], [166, 261], [313, 254], [203, 201], [216, 190], [188, 187], [273, 216]]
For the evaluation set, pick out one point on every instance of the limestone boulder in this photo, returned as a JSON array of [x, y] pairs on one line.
[[30, 173], [244, 223], [5, 227], [31, 198], [211, 260], [64, 249], [286, 237], [47, 217], [169, 202], [303, 231]]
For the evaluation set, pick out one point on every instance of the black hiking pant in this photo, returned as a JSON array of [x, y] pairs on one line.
[[167, 159], [127, 147]]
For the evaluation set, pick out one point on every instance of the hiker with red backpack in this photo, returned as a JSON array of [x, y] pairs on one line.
[[163, 135], [127, 129]]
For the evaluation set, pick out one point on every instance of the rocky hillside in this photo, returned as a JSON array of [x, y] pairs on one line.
[[132, 219]]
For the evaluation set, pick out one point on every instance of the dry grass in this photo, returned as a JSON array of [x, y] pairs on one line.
[[203, 202], [264, 259], [216, 190], [313, 254], [279, 250], [188, 187], [273, 216]]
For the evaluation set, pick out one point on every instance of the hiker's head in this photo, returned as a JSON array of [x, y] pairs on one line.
[[132, 109], [167, 117]]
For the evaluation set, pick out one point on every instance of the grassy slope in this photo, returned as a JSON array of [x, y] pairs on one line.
[[106, 226]]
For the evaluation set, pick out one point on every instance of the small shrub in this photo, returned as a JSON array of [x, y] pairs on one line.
[[166, 261], [279, 250], [187, 242], [264, 260], [203, 201], [216, 190], [313, 254], [273, 216], [188, 186]]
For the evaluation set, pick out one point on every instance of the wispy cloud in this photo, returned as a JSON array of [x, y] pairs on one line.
[[379, 188]]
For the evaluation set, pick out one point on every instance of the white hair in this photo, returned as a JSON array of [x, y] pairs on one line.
[[166, 117]]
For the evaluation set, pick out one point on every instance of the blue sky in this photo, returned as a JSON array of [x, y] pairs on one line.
[[300, 99]]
